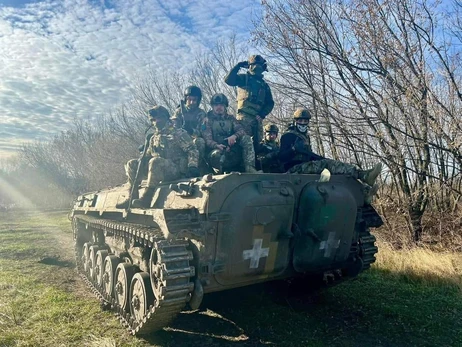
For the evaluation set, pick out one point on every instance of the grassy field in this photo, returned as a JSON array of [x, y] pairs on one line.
[[409, 298]]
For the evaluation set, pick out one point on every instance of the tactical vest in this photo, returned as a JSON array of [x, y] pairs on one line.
[[306, 144], [268, 164], [251, 97], [222, 128], [268, 147], [192, 121]]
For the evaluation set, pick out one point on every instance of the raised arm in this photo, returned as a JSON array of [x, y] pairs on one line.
[[234, 79]]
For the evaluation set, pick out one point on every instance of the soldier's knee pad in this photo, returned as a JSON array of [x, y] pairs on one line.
[[156, 162], [214, 158], [200, 145]]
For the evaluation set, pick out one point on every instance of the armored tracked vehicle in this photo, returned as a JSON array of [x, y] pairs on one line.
[[219, 232]]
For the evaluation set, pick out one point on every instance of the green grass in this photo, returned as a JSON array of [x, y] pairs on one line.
[[394, 304]]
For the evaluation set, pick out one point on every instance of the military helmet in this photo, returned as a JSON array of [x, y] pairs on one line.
[[193, 91], [271, 128], [257, 59], [302, 113], [158, 111], [219, 99]]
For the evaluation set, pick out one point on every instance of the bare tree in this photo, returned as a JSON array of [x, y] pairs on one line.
[[371, 73]]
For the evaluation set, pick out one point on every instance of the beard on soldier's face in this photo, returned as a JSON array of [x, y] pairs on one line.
[[219, 110]]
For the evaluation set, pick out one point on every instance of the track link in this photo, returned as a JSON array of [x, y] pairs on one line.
[[174, 288], [367, 247]]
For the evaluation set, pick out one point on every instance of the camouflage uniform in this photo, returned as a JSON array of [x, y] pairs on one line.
[[170, 155], [193, 121], [268, 151], [240, 156], [171, 152], [254, 96], [297, 156]]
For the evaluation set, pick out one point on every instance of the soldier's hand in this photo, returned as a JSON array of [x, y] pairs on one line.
[[221, 147], [193, 172], [232, 140], [243, 64]]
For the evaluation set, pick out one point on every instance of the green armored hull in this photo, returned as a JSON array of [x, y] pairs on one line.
[[216, 233]]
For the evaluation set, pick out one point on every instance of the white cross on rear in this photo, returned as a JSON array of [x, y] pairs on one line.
[[255, 253], [329, 245]]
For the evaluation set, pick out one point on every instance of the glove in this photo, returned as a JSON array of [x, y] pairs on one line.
[[193, 172], [243, 64]]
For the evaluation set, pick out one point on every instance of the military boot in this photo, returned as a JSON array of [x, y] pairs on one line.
[[370, 193], [124, 203], [145, 199], [369, 176]]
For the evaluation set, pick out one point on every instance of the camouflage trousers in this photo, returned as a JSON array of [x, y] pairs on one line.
[[200, 145], [316, 166], [252, 127], [157, 169], [240, 156]]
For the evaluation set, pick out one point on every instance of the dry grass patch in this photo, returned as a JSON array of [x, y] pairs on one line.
[[421, 264]]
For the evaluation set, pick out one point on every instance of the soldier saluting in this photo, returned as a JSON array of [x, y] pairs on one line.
[[254, 98]]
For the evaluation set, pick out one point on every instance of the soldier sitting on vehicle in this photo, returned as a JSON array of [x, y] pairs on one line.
[[230, 148], [297, 156], [171, 155], [192, 118], [268, 151]]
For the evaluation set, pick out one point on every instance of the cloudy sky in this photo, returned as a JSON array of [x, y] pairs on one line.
[[61, 59]]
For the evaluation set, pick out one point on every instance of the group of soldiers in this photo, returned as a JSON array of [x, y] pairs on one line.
[[192, 142]]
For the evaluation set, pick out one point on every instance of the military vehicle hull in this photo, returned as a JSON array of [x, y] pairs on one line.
[[219, 232]]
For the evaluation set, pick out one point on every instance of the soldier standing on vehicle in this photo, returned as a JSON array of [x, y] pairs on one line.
[[297, 156], [231, 149], [268, 151], [254, 98], [172, 155], [192, 118]]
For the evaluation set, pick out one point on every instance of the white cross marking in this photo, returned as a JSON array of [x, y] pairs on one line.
[[330, 244], [255, 253]]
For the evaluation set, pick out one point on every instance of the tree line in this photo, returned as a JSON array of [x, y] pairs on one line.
[[381, 78]]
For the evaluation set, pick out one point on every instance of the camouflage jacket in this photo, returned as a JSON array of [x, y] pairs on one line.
[[218, 128], [295, 148], [254, 96], [191, 121], [176, 145]]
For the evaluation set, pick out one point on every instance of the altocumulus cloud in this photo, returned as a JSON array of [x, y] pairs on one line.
[[61, 60]]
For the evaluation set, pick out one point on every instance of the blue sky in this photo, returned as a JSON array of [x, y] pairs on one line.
[[74, 58]]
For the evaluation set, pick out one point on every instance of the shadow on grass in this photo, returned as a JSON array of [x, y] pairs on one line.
[[55, 261], [375, 309]]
